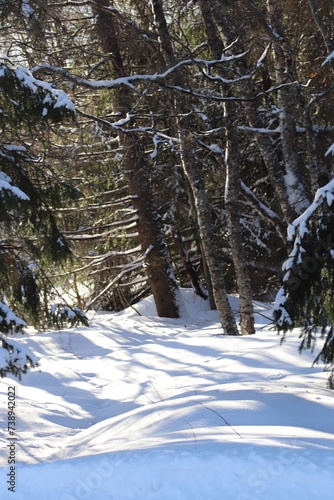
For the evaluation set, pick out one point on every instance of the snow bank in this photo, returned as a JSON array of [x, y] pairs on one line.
[[137, 407]]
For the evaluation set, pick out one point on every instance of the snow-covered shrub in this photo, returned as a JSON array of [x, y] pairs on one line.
[[15, 358]]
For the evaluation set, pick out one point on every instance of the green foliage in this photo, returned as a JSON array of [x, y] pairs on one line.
[[306, 298], [30, 191], [15, 359], [62, 315], [25, 100], [30, 237]]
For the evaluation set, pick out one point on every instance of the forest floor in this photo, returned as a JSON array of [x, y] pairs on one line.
[[136, 407]]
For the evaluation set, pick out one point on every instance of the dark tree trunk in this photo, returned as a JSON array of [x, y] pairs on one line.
[[194, 175], [288, 99], [159, 269], [232, 190]]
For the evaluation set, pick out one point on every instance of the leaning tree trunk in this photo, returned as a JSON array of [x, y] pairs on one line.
[[323, 28], [159, 270], [194, 175]]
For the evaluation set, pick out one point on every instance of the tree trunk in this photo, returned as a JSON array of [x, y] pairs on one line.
[[193, 173], [159, 269], [232, 191], [188, 266], [250, 106], [287, 97], [203, 209]]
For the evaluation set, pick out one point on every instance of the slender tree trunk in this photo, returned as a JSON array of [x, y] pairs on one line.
[[159, 270], [199, 243], [193, 172], [203, 209], [250, 107], [313, 160], [287, 97], [232, 191], [324, 30]]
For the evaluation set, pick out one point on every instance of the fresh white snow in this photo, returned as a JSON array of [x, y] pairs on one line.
[[5, 184], [137, 407]]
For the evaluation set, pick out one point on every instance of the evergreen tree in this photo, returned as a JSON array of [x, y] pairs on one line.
[[306, 298], [29, 191], [274, 67]]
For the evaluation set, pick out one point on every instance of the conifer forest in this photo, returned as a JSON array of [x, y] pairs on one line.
[[166, 249], [152, 145]]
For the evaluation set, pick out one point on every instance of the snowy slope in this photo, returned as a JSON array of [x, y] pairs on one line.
[[140, 407]]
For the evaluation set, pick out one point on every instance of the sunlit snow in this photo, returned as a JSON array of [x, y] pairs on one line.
[[137, 407]]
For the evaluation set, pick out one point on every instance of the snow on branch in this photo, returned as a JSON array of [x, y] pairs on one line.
[[313, 251], [9, 322], [62, 315], [15, 358], [57, 97], [219, 78], [328, 59], [130, 80], [300, 224], [330, 150], [7, 187], [160, 79], [44, 99]]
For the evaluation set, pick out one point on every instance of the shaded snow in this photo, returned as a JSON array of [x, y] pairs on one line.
[[147, 408]]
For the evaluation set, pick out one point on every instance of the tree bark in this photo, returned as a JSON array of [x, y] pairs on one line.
[[159, 269], [203, 209], [287, 98], [246, 90], [232, 190], [188, 266], [194, 175]]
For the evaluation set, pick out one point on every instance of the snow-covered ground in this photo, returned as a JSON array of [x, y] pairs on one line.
[[141, 407]]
